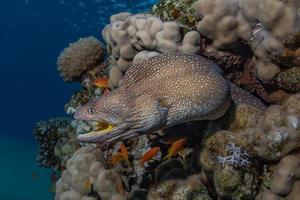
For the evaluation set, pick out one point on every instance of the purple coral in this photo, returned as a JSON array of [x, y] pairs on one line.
[[237, 157]]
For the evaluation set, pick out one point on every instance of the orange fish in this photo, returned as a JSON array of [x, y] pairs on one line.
[[118, 157], [149, 155], [124, 151], [101, 82], [175, 148]]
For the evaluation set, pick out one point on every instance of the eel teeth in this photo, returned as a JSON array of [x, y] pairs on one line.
[[101, 126]]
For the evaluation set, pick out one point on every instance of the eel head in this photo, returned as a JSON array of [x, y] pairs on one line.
[[108, 115], [120, 115]]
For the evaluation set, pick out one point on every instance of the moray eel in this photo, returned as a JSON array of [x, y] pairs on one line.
[[159, 92]]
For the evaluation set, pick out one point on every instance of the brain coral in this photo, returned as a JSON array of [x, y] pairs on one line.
[[79, 57]]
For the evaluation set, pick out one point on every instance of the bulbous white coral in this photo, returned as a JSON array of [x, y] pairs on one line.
[[128, 34], [84, 169], [263, 24], [286, 180]]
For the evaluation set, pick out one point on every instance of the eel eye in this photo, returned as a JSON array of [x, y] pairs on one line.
[[91, 111]]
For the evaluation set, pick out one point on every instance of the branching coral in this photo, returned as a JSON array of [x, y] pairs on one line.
[[79, 57], [57, 142], [237, 157]]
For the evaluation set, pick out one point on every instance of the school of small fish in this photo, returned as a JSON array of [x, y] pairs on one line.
[[150, 154]]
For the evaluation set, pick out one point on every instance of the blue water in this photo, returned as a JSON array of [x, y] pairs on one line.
[[32, 34]]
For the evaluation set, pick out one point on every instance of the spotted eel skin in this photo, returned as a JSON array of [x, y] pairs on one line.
[[159, 92]]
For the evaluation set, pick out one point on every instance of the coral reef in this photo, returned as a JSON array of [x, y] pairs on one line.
[[255, 75], [171, 169], [79, 57], [290, 55], [239, 150], [269, 135], [252, 134], [57, 142], [78, 99], [233, 25], [227, 21], [286, 180], [289, 79], [176, 10], [266, 135], [85, 176], [191, 188], [233, 183], [128, 34]]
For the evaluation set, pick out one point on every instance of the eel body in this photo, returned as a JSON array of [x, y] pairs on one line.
[[159, 92]]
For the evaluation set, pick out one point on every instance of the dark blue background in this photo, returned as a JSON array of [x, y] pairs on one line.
[[32, 34]]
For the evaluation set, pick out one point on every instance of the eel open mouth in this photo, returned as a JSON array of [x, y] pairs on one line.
[[101, 132], [102, 126]]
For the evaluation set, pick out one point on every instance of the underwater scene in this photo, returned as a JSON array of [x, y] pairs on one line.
[[150, 100]]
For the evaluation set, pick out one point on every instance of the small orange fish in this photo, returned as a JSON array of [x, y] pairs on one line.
[[101, 82], [124, 151], [149, 155], [175, 148], [118, 157]]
